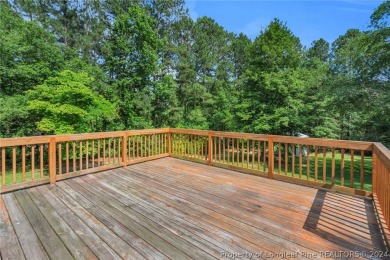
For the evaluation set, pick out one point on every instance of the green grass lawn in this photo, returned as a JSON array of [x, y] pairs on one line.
[[19, 176], [337, 164]]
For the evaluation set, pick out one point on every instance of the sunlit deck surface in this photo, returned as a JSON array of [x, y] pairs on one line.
[[171, 208]]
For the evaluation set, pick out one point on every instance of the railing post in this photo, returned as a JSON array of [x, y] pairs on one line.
[[124, 150], [210, 150], [52, 160], [270, 158], [374, 171], [169, 143]]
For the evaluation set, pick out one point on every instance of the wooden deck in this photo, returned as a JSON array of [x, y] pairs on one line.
[[170, 208]]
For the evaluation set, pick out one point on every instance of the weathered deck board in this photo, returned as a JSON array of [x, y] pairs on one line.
[[170, 208]]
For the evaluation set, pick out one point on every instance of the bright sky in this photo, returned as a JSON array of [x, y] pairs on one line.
[[307, 19]]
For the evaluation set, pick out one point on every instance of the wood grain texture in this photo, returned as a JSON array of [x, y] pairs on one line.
[[171, 208], [9, 243]]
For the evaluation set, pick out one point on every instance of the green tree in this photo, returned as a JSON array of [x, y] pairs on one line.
[[66, 104], [131, 61], [276, 48], [29, 54], [271, 101], [166, 110], [14, 117], [77, 25]]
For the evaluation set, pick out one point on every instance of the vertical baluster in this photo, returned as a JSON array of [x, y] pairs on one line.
[[300, 161], [197, 146], [142, 148], [74, 155], [3, 168], [228, 151], [81, 155], [93, 154], [152, 144], [238, 151], [233, 151], [265, 155], [98, 152], [168, 143], [109, 151], [41, 159], [87, 154], [190, 145], [324, 165], [362, 170], [193, 149], [133, 144], [23, 163], [163, 142], [285, 158], [293, 160], [139, 146], [148, 145], [242, 152], [316, 163], [253, 154], [181, 144], [333, 165], [352, 168], [130, 148], [114, 151], [33, 162], [104, 152], [247, 153], [13, 164], [204, 144], [219, 149], [258, 155], [342, 167], [67, 156], [155, 144], [119, 151], [158, 146], [215, 148], [143, 145], [129, 151], [308, 162], [59, 158], [279, 158]]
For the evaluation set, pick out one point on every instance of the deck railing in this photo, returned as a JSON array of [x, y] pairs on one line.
[[30, 161], [361, 168]]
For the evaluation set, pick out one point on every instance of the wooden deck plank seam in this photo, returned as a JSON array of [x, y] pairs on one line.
[[119, 169]]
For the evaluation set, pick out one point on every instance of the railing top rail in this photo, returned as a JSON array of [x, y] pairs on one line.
[[346, 144], [30, 140], [367, 146]]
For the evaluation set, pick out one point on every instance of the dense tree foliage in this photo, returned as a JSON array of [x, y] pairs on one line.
[[71, 66]]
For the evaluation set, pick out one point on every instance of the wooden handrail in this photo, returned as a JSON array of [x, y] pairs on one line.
[[247, 148], [276, 157]]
